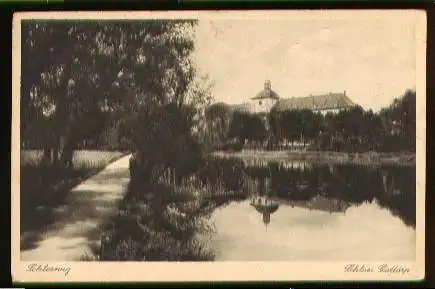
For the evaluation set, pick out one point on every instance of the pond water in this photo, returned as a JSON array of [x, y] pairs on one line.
[[324, 213]]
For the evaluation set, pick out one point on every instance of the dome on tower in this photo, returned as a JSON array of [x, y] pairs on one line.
[[267, 92]]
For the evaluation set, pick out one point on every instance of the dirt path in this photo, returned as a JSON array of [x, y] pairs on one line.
[[76, 230]]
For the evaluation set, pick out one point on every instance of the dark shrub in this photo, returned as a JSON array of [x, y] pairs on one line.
[[393, 143], [232, 146], [230, 171]]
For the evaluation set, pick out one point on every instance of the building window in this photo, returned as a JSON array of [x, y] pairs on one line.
[[260, 102]]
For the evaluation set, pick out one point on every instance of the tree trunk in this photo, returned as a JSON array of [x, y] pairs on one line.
[[66, 158], [48, 146], [47, 155], [55, 152]]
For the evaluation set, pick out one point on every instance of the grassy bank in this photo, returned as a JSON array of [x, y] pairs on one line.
[[43, 188], [368, 158], [167, 223], [168, 219], [81, 158]]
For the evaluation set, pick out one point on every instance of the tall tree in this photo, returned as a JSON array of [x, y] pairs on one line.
[[275, 127], [256, 129], [238, 127], [291, 125], [218, 117], [74, 71], [308, 128], [372, 130]]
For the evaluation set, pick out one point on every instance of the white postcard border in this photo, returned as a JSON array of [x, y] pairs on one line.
[[220, 271]]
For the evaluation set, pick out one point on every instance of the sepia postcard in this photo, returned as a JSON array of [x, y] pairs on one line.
[[218, 146]]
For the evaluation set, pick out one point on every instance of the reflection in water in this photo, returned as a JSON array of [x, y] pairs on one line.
[[320, 212], [392, 187], [366, 232], [266, 207], [262, 163]]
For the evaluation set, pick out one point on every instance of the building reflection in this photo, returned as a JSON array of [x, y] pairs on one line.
[[265, 206]]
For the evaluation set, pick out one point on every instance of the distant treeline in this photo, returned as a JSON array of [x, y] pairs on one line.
[[352, 130]]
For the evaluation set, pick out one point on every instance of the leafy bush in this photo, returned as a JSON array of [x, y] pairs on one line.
[[157, 228], [228, 170], [231, 146], [393, 143]]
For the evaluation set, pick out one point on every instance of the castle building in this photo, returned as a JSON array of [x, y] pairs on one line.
[[264, 100], [267, 99]]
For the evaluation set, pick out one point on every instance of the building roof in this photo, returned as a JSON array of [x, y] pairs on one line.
[[267, 92], [316, 102]]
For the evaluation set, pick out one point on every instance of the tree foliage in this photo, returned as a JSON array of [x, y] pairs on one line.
[[77, 77], [218, 118], [400, 120]]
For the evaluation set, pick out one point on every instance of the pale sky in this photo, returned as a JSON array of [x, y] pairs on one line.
[[372, 59]]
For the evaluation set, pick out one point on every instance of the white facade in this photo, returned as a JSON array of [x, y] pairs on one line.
[[325, 111], [263, 105]]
